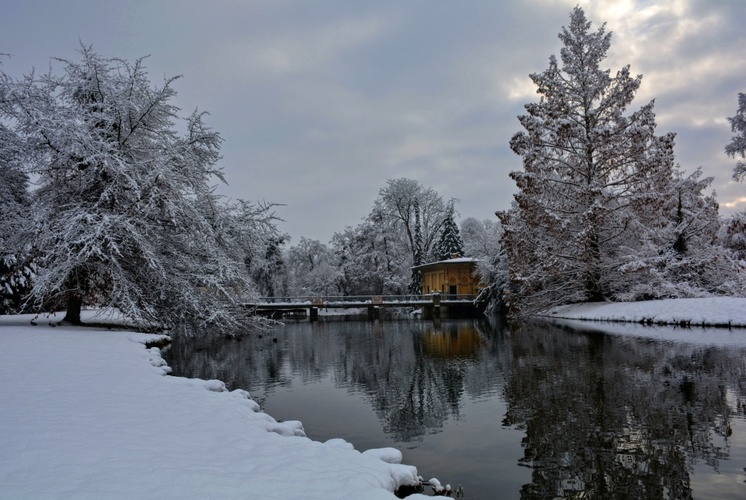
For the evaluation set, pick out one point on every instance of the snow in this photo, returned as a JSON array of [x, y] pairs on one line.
[[89, 413], [692, 319], [450, 261], [711, 311]]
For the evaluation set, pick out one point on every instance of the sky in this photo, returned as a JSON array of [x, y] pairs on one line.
[[319, 103]]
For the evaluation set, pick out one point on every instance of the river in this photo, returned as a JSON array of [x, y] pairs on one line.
[[526, 410]]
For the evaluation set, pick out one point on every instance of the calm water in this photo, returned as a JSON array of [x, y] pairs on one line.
[[525, 410]]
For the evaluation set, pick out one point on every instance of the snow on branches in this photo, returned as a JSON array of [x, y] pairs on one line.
[[601, 207], [125, 213], [737, 146]]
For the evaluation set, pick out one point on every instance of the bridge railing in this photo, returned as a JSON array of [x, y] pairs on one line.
[[367, 299], [285, 300]]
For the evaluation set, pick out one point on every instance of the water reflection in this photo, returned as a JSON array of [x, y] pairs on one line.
[[413, 374], [606, 417], [568, 413]]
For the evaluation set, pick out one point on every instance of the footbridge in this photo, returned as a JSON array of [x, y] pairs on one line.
[[431, 305]]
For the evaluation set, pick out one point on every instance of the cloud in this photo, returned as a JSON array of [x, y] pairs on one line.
[[292, 52], [320, 102], [736, 204]]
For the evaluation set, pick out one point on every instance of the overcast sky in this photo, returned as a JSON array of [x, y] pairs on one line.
[[320, 102]]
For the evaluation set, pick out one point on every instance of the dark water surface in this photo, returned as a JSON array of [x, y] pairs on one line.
[[525, 410]]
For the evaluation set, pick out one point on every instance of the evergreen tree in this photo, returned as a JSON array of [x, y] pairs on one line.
[[595, 192], [737, 146], [733, 236], [449, 243], [673, 250]]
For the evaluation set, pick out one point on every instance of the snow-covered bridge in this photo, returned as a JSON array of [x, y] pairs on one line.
[[432, 305]]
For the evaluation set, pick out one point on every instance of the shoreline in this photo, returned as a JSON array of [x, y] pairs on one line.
[[90, 413], [710, 312]]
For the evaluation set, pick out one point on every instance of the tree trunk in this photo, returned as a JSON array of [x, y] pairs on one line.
[[74, 304], [593, 276]]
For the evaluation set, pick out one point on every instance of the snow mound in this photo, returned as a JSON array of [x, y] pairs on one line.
[[388, 455]]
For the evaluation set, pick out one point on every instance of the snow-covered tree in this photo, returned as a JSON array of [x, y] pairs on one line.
[[596, 183], [371, 260], [673, 248], [125, 212], [450, 242], [733, 236], [394, 210], [312, 268], [377, 256], [482, 242], [737, 146], [481, 237], [16, 266], [268, 266], [415, 283], [734, 233]]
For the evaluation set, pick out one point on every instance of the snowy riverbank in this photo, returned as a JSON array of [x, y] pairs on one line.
[[88, 413], [712, 311]]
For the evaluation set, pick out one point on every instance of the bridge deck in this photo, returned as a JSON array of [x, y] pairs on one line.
[[286, 303]]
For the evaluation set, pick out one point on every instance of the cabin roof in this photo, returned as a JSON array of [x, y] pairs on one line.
[[448, 262]]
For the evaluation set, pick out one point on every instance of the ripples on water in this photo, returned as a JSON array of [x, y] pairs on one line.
[[525, 410]]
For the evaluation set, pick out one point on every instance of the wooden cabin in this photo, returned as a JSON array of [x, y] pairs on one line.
[[453, 276]]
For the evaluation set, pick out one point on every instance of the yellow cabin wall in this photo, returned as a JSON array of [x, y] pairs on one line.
[[440, 277]]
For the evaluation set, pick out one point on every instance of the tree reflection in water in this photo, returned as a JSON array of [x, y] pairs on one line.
[[414, 374], [603, 416], [607, 418]]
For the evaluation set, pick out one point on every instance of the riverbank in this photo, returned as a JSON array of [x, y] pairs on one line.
[[89, 413], [729, 312]]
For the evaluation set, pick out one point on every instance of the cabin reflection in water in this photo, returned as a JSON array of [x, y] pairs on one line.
[[459, 341]]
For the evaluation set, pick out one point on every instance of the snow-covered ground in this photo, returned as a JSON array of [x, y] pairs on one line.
[[713, 311], [89, 413]]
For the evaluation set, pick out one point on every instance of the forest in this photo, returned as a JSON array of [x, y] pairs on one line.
[[108, 200]]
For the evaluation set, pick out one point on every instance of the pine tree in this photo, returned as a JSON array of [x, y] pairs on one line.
[[733, 236], [449, 243], [737, 146], [673, 250]]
